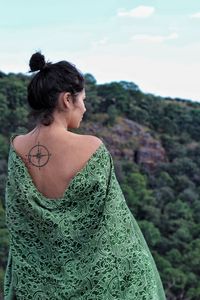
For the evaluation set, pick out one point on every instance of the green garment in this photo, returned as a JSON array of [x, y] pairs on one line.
[[84, 246]]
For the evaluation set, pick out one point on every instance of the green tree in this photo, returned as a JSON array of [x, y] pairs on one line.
[[151, 232]]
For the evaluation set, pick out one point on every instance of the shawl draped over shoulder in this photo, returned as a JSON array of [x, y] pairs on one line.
[[86, 245]]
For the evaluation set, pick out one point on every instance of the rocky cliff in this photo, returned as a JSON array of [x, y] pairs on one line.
[[128, 140]]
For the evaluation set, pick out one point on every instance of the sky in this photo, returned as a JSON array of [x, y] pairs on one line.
[[153, 43]]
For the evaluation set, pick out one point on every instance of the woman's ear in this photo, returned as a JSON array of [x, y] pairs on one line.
[[67, 99]]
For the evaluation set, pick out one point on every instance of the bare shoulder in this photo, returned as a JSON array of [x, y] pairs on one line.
[[84, 144], [17, 141], [91, 141], [94, 140]]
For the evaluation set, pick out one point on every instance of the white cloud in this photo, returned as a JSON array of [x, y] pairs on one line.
[[101, 42], [138, 12], [195, 16], [155, 38]]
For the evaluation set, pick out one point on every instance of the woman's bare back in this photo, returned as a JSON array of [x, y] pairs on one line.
[[54, 159]]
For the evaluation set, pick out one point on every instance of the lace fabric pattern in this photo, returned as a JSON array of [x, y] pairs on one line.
[[86, 245]]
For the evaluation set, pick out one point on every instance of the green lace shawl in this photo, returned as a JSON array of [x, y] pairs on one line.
[[84, 246]]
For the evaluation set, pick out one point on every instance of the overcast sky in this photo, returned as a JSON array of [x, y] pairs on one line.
[[154, 43]]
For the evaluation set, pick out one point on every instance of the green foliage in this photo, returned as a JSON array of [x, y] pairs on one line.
[[184, 165], [13, 106], [176, 279], [130, 86], [173, 147], [193, 293], [192, 255], [178, 210], [151, 233], [135, 190], [164, 180], [112, 113], [93, 101], [3, 147], [182, 182]]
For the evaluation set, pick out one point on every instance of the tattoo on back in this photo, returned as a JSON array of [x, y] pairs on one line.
[[38, 155]]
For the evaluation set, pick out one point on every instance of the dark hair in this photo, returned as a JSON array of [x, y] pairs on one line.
[[45, 87]]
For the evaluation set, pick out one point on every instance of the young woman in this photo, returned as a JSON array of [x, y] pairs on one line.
[[72, 235]]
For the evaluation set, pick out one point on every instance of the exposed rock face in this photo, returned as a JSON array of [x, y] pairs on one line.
[[150, 152], [131, 141]]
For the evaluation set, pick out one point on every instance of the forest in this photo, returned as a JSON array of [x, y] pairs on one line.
[[155, 144]]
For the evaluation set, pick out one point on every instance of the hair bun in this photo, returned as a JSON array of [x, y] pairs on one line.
[[37, 62]]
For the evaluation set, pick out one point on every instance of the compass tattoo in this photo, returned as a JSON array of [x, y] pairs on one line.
[[38, 155]]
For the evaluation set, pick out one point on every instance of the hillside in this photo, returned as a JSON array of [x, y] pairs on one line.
[[155, 144]]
